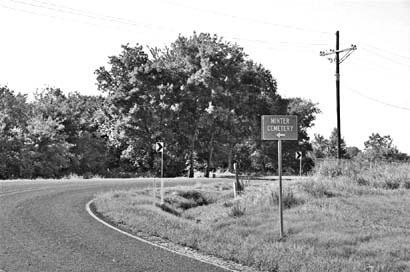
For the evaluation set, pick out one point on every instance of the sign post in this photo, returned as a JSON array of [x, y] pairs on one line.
[[279, 127], [160, 148], [298, 156], [280, 187]]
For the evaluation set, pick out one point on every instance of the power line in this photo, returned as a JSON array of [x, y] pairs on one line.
[[376, 100], [119, 20], [387, 51], [381, 68], [249, 19], [48, 15], [384, 57], [87, 14], [111, 19], [268, 44]]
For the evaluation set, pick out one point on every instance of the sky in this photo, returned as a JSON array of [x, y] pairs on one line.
[[61, 43]]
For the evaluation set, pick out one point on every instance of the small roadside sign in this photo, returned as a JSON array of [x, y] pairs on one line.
[[159, 146], [298, 155], [279, 127]]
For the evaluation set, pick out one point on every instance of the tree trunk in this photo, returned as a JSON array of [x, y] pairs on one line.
[[191, 158], [230, 165], [211, 151]]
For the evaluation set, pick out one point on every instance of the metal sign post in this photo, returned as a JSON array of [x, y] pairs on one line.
[[162, 177], [280, 186], [299, 157], [160, 148], [279, 127], [154, 188]]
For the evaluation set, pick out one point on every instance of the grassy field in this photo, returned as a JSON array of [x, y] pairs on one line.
[[333, 222]]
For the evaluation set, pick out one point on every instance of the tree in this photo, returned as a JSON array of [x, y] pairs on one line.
[[50, 153], [333, 145], [63, 135], [14, 113], [327, 148], [379, 147], [201, 96], [47, 136], [320, 146], [193, 96], [352, 152], [306, 112], [138, 92], [90, 151]]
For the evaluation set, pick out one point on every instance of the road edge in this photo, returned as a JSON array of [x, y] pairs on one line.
[[90, 212]]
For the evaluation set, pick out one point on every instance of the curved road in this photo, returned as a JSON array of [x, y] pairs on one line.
[[44, 227]]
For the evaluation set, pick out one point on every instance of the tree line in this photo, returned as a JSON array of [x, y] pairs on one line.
[[376, 148], [202, 96]]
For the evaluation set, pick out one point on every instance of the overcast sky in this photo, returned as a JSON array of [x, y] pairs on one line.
[[61, 43]]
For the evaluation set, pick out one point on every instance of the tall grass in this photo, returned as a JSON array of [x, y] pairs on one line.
[[379, 174], [350, 216]]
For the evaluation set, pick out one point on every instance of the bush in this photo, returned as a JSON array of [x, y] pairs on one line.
[[317, 188], [329, 168], [168, 208], [289, 200], [179, 201], [237, 210], [379, 174], [334, 168], [195, 196], [391, 183], [406, 184], [362, 181]]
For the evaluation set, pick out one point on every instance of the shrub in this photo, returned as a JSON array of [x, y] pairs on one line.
[[195, 196], [391, 183], [237, 210], [334, 168], [362, 181], [379, 174], [168, 208], [329, 168], [406, 184], [289, 200], [317, 188], [183, 200]]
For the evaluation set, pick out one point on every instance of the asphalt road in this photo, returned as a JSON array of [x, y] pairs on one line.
[[44, 226]]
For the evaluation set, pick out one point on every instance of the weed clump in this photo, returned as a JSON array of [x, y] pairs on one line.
[[196, 197], [169, 209], [379, 174], [237, 210], [317, 188], [289, 199], [179, 201]]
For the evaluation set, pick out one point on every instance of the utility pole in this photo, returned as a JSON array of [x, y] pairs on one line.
[[338, 61], [339, 147]]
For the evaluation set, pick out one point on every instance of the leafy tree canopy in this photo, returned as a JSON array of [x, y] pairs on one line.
[[379, 147], [202, 96]]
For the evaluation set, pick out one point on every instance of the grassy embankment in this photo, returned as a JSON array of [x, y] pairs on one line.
[[348, 217]]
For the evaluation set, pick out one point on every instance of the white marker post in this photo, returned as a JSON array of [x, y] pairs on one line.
[[279, 127]]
